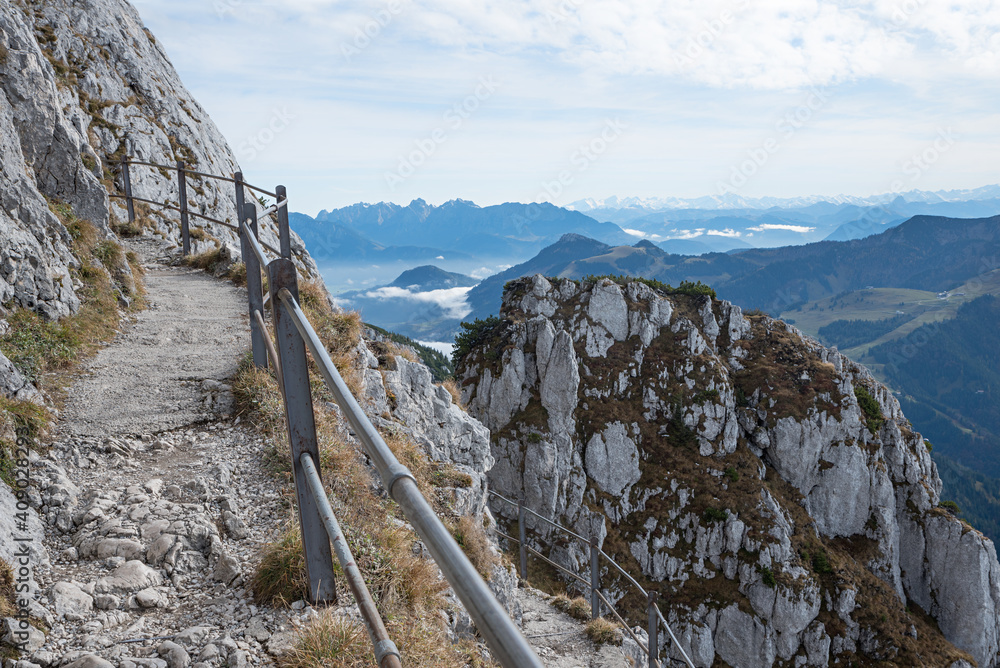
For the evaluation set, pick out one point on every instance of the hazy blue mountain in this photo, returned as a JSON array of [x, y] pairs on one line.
[[509, 230], [423, 303], [925, 253], [329, 240], [429, 277]]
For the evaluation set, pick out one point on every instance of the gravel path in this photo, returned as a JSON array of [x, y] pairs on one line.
[[150, 378], [559, 639], [158, 502]]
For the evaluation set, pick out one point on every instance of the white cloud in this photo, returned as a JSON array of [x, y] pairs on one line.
[[634, 233], [724, 233], [440, 346], [801, 229], [687, 234], [451, 300]]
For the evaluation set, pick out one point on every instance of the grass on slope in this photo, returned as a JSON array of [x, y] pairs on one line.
[[919, 306], [46, 352], [405, 586]]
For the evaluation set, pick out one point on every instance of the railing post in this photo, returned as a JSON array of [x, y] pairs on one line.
[[238, 177], [127, 186], [284, 234], [182, 197], [654, 631], [254, 290], [523, 536], [595, 578], [301, 434]]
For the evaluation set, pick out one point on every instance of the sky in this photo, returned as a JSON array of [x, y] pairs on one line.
[[561, 100]]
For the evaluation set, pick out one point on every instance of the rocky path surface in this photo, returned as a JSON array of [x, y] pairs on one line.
[[157, 503], [156, 374], [559, 640]]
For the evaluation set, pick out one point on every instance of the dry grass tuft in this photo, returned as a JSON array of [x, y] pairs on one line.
[[602, 632], [280, 578], [45, 351], [7, 593], [456, 395], [472, 538], [579, 608], [330, 641]]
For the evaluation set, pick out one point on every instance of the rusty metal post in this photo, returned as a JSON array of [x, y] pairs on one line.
[[238, 177], [284, 233], [595, 578], [523, 535], [127, 186], [182, 197], [654, 630], [301, 434], [254, 291]]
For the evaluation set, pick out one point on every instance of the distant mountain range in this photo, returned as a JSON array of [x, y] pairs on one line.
[[456, 227], [734, 201], [461, 231]]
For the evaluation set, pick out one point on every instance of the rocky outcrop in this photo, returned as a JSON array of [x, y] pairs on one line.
[[81, 85], [769, 488]]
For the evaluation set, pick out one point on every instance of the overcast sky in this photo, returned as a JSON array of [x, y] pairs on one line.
[[521, 100]]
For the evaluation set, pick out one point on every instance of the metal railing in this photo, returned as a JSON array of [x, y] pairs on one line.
[[319, 526], [654, 617]]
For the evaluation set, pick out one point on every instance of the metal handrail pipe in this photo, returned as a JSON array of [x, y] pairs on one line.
[[196, 215], [644, 648], [663, 621], [559, 567], [260, 190], [185, 170], [501, 497], [269, 344], [542, 517], [558, 526], [255, 245], [386, 653], [503, 535], [501, 635], [622, 571]]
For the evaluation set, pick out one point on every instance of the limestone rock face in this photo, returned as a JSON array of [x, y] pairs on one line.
[[445, 432], [727, 462], [81, 85]]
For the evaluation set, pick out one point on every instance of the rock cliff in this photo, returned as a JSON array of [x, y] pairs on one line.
[[81, 85], [769, 488]]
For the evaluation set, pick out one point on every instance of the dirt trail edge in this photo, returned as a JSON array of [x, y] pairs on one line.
[[150, 378], [157, 502]]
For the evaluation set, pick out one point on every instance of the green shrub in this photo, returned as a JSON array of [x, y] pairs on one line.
[[714, 515], [705, 395], [767, 576], [872, 412], [951, 507], [473, 334], [820, 563], [732, 474]]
